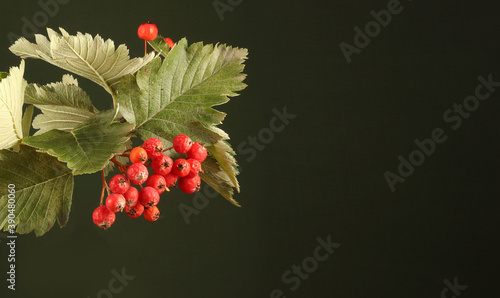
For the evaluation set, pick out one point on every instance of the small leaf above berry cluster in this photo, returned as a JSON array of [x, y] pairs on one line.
[[167, 95]]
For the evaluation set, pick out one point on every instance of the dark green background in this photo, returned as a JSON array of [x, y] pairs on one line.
[[321, 176]]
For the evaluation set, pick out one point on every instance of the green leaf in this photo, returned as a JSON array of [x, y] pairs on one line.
[[27, 118], [90, 57], [224, 155], [160, 45], [220, 170], [176, 96], [89, 146], [64, 105], [11, 107], [214, 176], [43, 190]]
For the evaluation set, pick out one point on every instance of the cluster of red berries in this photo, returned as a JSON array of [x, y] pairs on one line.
[[166, 173], [149, 31]]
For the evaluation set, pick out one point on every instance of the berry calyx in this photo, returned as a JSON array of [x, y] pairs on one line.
[[152, 214], [157, 182], [190, 184], [131, 196], [169, 42], [182, 143], [119, 184], [137, 173], [115, 202], [197, 151], [153, 146], [170, 180], [162, 164], [148, 197], [134, 211], [138, 154], [181, 167], [195, 166], [147, 31], [102, 217]]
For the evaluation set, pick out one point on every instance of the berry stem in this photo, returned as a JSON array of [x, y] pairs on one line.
[[116, 162], [122, 168], [168, 149], [104, 186], [145, 47], [102, 196]]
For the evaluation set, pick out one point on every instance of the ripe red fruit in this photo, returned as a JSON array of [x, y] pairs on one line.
[[119, 184], [157, 182], [197, 151], [181, 167], [153, 146], [137, 173], [162, 164], [169, 42], [134, 211], [102, 217], [190, 184], [195, 166], [115, 202], [131, 196], [147, 31], [170, 179], [152, 214], [182, 143], [138, 154], [148, 197]]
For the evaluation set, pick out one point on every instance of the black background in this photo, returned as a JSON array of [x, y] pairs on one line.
[[322, 176]]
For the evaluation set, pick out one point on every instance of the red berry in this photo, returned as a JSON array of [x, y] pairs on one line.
[[169, 42], [181, 167], [162, 164], [149, 197], [134, 211], [147, 31], [157, 182], [170, 180], [119, 184], [197, 151], [115, 202], [190, 184], [102, 217], [137, 173], [131, 196], [182, 143], [195, 166], [152, 214], [153, 146], [138, 154]]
